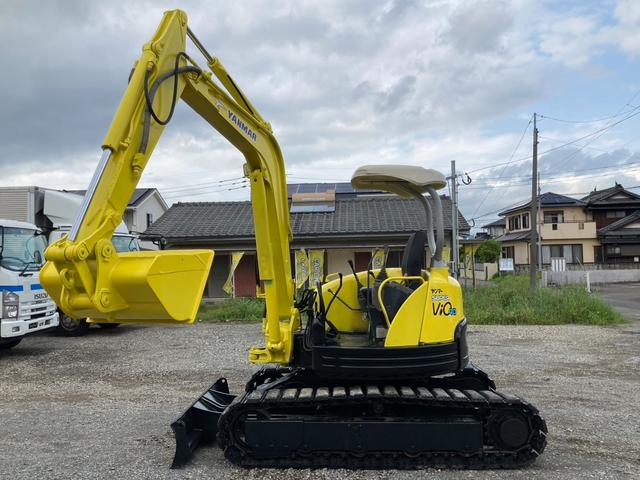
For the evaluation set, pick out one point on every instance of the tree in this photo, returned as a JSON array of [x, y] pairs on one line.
[[488, 251]]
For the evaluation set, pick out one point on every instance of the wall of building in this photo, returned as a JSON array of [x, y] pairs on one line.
[[244, 278], [337, 261], [136, 218], [602, 220], [520, 252], [565, 231], [588, 246]]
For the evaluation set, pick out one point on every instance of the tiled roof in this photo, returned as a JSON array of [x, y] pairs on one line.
[[515, 237], [368, 215], [501, 222], [603, 197], [548, 199], [616, 228]]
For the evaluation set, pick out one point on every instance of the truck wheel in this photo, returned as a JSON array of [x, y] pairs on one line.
[[10, 343], [68, 327], [108, 326]]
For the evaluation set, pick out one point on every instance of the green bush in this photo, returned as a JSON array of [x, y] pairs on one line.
[[488, 251], [508, 301], [232, 310]]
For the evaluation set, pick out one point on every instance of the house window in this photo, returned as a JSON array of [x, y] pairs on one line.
[[149, 219], [554, 217], [580, 225], [525, 220], [514, 222], [508, 252], [554, 226], [615, 213], [571, 253], [612, 250]]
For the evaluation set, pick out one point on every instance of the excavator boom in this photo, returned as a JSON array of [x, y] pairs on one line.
[[85, 274]]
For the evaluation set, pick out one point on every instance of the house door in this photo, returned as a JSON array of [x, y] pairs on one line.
[[217, 276]]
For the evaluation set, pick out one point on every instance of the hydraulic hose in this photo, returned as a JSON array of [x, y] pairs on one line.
[[149, 94]]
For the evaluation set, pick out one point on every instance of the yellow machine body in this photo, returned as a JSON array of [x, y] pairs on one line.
[[430, 315], [379, 377], [88, 278]]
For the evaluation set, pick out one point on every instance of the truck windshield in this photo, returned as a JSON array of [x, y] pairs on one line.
[[125, 243], [21, 249]]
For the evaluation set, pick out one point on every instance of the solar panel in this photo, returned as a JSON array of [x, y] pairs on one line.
[[312, 208]]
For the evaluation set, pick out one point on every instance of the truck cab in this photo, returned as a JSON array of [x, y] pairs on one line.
[[26, 306]]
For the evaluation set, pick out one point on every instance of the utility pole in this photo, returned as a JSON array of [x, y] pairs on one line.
[[454, 219], [533, 253], [539, 228]]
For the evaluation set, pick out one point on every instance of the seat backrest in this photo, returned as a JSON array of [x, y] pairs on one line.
[[413, 254]]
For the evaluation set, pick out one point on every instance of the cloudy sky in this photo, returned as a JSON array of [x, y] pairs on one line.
[[344, 83]]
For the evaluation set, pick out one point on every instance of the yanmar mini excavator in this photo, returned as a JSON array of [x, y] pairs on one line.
[[367, 370]]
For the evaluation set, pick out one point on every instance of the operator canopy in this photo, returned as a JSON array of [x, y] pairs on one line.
[[403, 180]]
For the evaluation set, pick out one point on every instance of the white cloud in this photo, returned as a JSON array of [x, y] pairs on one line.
[[343, 83]]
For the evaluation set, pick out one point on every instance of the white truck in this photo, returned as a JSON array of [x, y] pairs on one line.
[[26, 307], [54, 212]]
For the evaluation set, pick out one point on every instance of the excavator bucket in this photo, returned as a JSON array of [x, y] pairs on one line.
[[142, 287], [199, 423]]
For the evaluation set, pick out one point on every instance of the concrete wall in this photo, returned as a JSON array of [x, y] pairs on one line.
[[595, 276], [483, 271]]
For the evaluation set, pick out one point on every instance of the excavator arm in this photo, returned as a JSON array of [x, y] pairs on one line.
[[84, 273]]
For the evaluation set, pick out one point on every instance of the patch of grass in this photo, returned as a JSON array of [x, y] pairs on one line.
[[244, 310], [508, 301]]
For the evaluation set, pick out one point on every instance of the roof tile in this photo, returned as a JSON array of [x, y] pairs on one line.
[[352, 216]]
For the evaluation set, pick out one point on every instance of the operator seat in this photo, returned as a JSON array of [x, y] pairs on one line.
[[395, 294]]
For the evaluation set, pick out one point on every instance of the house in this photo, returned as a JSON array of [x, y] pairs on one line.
[[145, 206], [566, 229], [495, 229], [343, 223], [616, 212]]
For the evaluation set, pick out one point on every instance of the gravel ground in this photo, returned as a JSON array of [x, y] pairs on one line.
[[100, 406]]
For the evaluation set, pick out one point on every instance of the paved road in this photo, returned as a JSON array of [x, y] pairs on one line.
[[624, 297], [100, 406]]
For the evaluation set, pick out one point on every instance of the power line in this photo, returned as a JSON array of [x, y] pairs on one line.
[[566, 144], [565, 175], [206, 192], [206, 186], [617, 114], [515, 150], [210, 183], [547, 117], [523, 202], [608, 126]]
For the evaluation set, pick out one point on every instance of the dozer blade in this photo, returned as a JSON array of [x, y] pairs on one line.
[[199, 423], [133, 287]]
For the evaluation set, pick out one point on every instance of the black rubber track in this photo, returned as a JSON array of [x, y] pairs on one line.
[[485, 405]]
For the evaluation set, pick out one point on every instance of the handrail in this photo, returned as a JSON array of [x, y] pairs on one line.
[[383, 284]]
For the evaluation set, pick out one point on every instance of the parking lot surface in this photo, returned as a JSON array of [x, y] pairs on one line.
[[100, 406]]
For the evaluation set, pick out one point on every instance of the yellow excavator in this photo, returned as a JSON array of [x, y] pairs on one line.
[[367, 370]]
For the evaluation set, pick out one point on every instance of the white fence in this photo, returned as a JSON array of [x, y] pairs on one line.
[[594, 277]]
